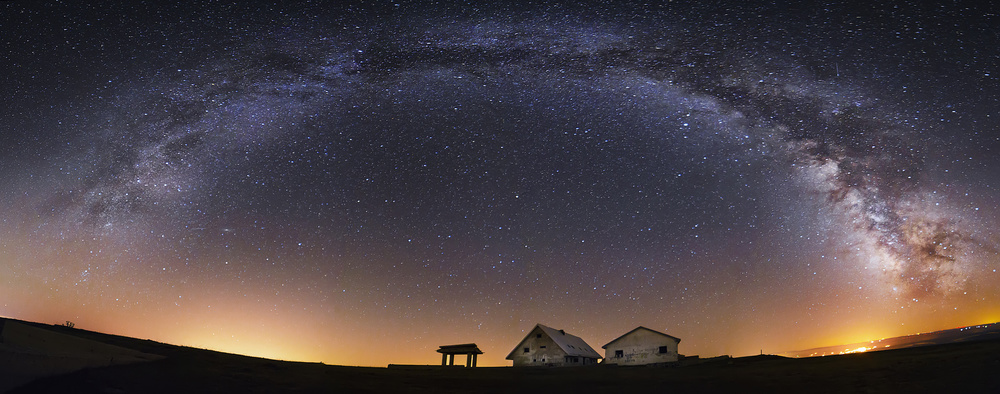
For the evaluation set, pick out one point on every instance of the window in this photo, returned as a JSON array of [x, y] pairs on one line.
[[542, 347], [619, 353], [538, 335], [527, 350], [663, 349]]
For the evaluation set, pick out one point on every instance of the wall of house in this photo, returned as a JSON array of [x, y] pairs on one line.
[[641, 347], [541, 351]]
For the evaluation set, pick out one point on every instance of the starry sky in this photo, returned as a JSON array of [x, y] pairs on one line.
[[359, 183]]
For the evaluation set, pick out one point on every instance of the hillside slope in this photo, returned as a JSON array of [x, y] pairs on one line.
[[967, 366], [30, 351]]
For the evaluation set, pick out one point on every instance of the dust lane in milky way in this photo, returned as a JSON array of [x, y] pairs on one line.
[[359, 184]]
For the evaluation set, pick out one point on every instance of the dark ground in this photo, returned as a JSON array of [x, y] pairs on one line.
[[958, 367]]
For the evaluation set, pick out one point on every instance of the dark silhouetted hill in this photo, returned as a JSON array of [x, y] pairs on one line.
[[957, 366]]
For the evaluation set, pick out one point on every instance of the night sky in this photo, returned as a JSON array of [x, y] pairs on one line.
[[360, 183]]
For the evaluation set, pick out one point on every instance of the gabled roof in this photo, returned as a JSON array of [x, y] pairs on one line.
[[641, 328], [571, 344]]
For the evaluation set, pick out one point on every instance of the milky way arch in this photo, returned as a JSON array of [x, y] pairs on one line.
[[173, 143]]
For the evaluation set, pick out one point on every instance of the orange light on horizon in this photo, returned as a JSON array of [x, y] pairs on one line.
[[858, 350]]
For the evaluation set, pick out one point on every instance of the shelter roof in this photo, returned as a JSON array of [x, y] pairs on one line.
[[465, 348]]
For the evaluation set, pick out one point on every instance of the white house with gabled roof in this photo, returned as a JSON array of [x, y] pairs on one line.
[[642, 346], [547, 346]]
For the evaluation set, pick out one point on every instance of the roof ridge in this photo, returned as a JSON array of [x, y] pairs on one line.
[[636, 329], [570, 344]]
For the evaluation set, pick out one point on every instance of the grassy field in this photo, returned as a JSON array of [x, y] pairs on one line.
[[958, 367]]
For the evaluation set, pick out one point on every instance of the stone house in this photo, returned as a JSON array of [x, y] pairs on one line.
[[641, 346], [547, 346]]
